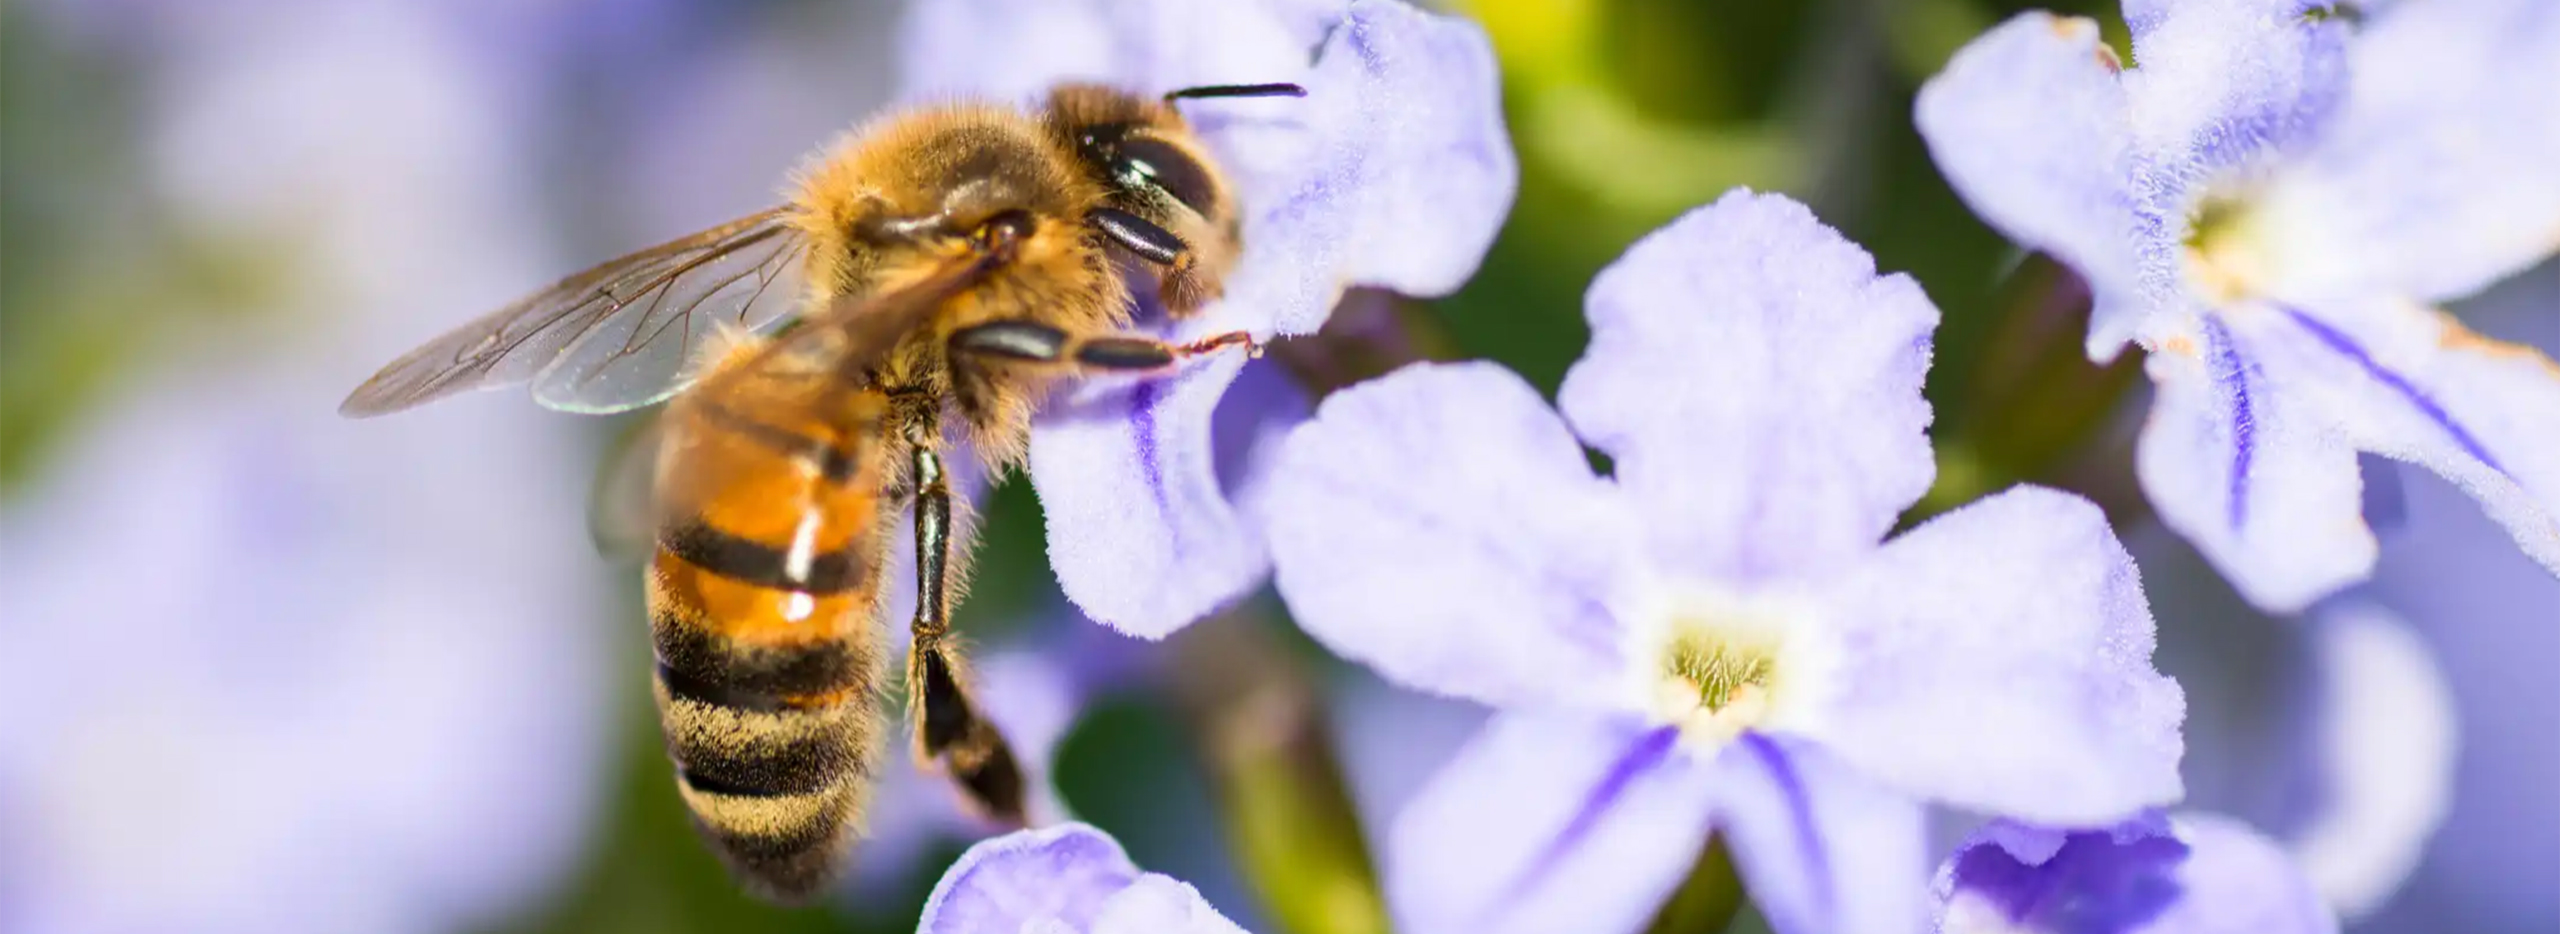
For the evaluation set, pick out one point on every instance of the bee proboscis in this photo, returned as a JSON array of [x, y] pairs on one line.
[[947, 264]]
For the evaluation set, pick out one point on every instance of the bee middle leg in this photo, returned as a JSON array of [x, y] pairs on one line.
[[950, 727], [1023, 342]]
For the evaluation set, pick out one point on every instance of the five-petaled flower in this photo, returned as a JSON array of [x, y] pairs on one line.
[[2266, 203], [2153, 874], [1067, 879], [1713, 637], [1394, 172]]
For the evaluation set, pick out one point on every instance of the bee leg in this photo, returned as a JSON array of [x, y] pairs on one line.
[[1182, 290], [951, 730], [1032, 343], [1140, 236]]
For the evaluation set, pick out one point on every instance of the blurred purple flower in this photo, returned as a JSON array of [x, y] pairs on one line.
[[1394, 172], [2334, 733], [2182, 874], [1713, 637], [1068, 879], [2379, 739], [2337, 732], [2266, 204], [267, 674], [2488, 614], [271, 671]]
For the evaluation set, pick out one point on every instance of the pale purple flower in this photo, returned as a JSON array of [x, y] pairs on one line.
[[2334, 733], [1393, 172], [264, 669], [1068, 879], [2380, 737], [1716, 636], [2267, 202], [263, 673], [2388, 737], [2189, 873], [1391, 740], [2488, 615]]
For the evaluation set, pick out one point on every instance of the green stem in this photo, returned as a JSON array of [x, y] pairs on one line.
[[1707, 901], [1289, 819]]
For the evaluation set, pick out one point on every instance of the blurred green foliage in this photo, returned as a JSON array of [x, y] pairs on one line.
[[95, 279]]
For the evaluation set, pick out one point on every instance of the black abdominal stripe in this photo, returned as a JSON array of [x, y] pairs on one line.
[[774, 746]]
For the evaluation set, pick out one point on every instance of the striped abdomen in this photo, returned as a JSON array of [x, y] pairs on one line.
[[761, 596]]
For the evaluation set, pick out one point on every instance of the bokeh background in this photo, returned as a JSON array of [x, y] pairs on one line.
[[262, 669]]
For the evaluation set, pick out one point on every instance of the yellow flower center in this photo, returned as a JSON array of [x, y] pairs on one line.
[[1713, 686], [1723, 663], [2224, 259]]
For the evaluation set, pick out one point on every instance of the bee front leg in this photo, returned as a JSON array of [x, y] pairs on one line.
[[1020, 342], [1183, 289], [950, 727]]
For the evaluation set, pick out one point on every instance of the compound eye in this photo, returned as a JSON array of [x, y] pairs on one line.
[[1166, 167]]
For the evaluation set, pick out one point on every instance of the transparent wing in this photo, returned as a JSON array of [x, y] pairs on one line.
[[622, 513], [614, 337]]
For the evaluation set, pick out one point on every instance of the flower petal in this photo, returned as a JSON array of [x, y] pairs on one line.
[[1549, 821], [1820, 848], [1391, 740], [2242, 470], [2385, 735], [1009, 50], [1015, 50], [2011, 877], [1067, 872], [2487, 612], [2413, 384], [2032, 129], [1143, 534], [2437, 179], [2223, 84], [2236, 879], [1999, 658], [2346, 752], [1440, 526], [1160, 904], [2193, 872], [1759, 387], [1395, 172], [2221, 90], [1150, 490]]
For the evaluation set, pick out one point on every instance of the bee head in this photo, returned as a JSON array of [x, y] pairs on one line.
[[1167, 201]]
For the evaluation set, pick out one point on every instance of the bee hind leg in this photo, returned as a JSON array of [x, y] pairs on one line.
[[950, 728], [954, 732]]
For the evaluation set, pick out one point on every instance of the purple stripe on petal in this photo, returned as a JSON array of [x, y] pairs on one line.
[[1142, 420], [1800, 812], [1648, 752], [2233, 373], [2425, 404]]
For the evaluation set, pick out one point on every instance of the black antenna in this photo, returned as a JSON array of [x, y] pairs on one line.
[[1279, 89]]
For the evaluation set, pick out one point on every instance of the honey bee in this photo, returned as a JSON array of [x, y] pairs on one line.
[[953, 261]]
